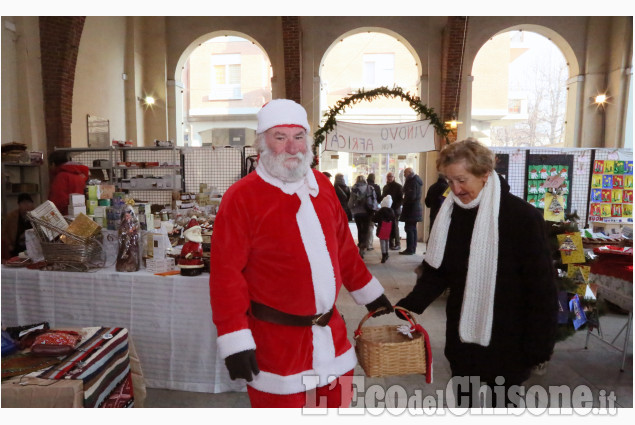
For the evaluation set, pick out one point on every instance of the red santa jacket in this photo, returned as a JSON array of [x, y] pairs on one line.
[[67, 178], [287, 246]]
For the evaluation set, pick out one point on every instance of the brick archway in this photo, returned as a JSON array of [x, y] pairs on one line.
[[59, 45]]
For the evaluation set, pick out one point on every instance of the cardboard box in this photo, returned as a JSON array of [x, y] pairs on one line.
[[48, 212], [91, 204], [106, 191], [82, 226], [76, 200], [91, 191], [160, 265], [74, 211]]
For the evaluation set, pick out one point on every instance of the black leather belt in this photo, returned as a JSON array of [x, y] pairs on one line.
[[269, 314]]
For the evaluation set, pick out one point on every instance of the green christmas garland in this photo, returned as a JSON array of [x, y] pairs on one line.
[[360, 95]]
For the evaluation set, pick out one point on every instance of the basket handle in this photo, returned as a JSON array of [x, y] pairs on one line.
[[404, 312]]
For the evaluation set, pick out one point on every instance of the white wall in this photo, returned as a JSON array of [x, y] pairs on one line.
[[99, 86]]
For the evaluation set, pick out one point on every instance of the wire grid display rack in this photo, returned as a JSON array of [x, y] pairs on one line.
[[217, 167], [170, 164], [580, 173]]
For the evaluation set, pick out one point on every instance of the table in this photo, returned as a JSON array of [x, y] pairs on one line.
[[108, 365], [613, 273], [169, 317]]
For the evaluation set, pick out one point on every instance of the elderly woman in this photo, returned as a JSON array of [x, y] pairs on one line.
[[488, 247]]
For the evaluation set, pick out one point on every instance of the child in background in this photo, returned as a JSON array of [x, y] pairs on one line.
[[384, 218]]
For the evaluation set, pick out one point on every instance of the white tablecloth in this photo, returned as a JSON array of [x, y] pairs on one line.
[[169, 318]]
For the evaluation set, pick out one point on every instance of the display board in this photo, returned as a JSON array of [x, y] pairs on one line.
[[541, 166], [524, 169], [611, 191]]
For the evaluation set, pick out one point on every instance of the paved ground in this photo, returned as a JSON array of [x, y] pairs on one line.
[[596, 368]]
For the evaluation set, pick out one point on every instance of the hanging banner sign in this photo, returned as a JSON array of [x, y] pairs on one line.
[[407, 137]]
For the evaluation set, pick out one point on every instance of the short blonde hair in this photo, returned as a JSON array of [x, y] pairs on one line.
[[479, 160]]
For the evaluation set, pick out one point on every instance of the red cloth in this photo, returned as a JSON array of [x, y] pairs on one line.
[[384, 231], [614, 265], [67, 178], [337, 394]]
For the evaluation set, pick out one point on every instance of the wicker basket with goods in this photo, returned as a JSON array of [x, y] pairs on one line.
[[77, 253], [391, 350]]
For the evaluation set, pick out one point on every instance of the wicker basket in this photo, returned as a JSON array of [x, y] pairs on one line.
[[83, 255], [384, 351]]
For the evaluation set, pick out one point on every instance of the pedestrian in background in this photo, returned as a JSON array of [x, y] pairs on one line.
[[343, 194], [371, 226], [394, 189], [412, 211]]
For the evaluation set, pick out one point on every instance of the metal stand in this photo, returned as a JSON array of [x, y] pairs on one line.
[[628, 326]]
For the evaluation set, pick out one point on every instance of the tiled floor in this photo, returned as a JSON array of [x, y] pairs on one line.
[[596, 368]]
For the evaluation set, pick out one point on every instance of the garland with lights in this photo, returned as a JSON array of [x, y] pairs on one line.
[[370, 95]]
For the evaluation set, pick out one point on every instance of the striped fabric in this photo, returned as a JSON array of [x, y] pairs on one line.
[[101, 362]]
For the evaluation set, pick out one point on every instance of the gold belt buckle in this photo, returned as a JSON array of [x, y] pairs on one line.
[[316, 320]]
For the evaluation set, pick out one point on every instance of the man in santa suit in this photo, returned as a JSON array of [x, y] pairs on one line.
[[281, 250]]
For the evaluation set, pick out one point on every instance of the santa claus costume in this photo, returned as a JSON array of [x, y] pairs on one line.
[[286, 248]]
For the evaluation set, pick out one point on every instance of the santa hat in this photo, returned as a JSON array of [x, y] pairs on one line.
[[282, 112], [386, 202], [193, 234]]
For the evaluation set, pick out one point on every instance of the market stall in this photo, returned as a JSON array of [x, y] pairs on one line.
[[103, 371], [169, 318]]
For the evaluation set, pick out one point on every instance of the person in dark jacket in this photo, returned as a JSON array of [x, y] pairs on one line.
[[412, 211], [488, 247], [371, 226], [343, 194], [434, 197], [66, 177], [359, 207], [394, 189]]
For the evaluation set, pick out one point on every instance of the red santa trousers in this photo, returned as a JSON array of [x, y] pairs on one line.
[[338, 393]]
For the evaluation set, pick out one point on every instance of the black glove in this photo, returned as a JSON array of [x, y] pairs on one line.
[[399, 313], [381, 301], [242, 365]]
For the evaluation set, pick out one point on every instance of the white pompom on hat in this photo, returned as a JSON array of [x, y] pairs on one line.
[[386, 202], [281, 112]]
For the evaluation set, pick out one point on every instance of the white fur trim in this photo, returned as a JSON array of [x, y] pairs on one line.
[[235, 342], [314, 242], [323, 347], [289, 188], [477, 311], [368, 293], [277, 384], [281, 112]]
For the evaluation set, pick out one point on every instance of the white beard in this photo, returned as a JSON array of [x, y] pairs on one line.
[[275, 164]]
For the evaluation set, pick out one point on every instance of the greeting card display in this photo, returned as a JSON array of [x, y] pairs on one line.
[[611, 197], [556, 168], [570, 246]]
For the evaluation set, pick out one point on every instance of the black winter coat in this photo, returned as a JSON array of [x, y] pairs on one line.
[[434, 198], [412, 209], [525, 301], [395, 191], [343, 194]]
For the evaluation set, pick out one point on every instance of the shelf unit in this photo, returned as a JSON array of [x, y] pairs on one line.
[[87, 156], [17, 173], [170, 165]]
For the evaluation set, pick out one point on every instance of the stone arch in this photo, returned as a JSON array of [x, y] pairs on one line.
[[175, 99], [381, 30], [573, 83]]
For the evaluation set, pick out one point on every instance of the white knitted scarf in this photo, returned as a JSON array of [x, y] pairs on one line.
[[475, 324]]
